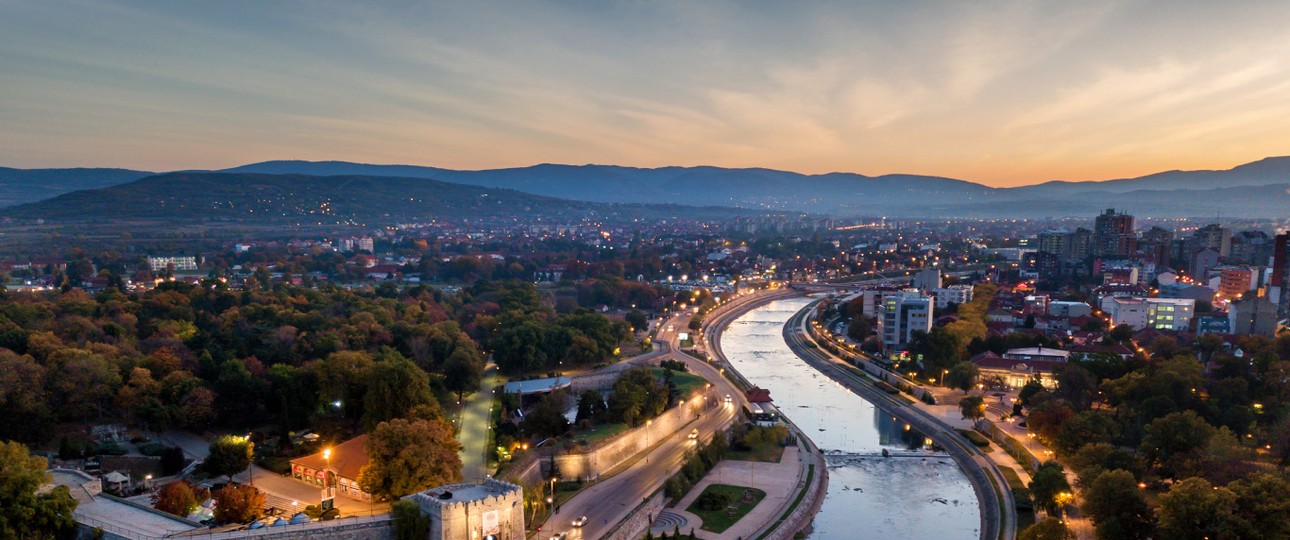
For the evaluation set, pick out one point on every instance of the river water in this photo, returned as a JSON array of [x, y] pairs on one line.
[[925, 496]]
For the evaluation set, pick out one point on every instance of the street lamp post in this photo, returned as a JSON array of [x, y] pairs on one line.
[[328, 498]]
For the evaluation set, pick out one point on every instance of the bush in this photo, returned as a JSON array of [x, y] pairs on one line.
[[280, 465], [109, 449], [977, 439], [152, 449], [714, 500], [1021, 496]]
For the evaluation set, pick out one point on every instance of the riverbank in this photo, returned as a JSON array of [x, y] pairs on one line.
[[798, 507], [998, 519]]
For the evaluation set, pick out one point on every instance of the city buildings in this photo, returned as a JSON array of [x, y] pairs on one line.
[[1255, 316], [1158, 313]]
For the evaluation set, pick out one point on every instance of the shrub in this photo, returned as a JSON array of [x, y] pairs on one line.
[[714, 500]]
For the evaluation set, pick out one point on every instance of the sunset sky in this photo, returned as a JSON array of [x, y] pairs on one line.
[[1001, 93]]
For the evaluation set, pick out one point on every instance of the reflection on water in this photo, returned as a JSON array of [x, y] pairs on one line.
[[869, 496]]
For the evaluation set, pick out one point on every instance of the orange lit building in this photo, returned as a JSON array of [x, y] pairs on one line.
[[347, 461]]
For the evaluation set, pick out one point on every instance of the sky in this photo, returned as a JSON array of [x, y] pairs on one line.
[[997, 92]]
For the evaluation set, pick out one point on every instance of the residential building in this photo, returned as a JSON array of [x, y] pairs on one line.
[[1170, 313], [1235, 281], [179, 262], [1113, 235], [1202, 262], [1255, 316], [902, 314], [1068, 309], [928, 279], [1213, 236], [956, 294]]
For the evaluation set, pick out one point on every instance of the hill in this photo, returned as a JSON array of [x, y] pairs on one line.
[[18, 186], [265, 199]]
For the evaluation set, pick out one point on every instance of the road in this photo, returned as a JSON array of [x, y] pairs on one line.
[[475, 421], [611, 500]]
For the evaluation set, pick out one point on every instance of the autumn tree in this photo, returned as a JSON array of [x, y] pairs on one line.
[[410, 455], [238, 503], [178, 498], [25, 512]]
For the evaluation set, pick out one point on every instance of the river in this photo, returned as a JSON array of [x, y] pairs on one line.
[[868, 496]]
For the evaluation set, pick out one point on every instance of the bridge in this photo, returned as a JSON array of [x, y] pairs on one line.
[[835, 455]]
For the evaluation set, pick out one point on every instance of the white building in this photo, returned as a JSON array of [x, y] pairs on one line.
[[902, 314], [958, 294], [1159, 313], [180, 262], [1064, 308], [928, 279]]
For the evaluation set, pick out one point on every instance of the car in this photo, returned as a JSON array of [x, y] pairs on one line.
[[560, 536], [694, 433], [580, 521], [729, 399]]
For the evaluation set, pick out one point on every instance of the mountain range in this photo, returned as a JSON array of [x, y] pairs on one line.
[[1258, 189]]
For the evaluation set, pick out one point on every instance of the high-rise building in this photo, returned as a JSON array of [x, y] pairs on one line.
[[902, 314], [1213, 236], [1055, 241], [1279, 278], [1156, 244], [1113, 235]]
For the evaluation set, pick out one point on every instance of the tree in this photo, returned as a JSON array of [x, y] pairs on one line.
[[591, 406], [463, 371], [409, 522], [229, 455], [972, 407], [237, 503], [1175, 438], [1193, 509], [1077, 386], [1263, 504], [1085, 428], [178, 498], [25, 513], [963, 376], [637, 319], [410, 455], [1117, 506], [394, 386], [546, 419], [1049, 487], [1048, 529]]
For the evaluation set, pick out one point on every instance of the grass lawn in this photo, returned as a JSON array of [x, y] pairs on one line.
[[599, 432], [686, 383], [720, 520]]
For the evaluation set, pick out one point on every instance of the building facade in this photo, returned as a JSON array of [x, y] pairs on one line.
[[493, 510], [902, 314]]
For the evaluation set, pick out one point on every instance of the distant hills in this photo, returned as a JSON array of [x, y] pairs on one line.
[[19, 186], [1259, 189], [299, 200]]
